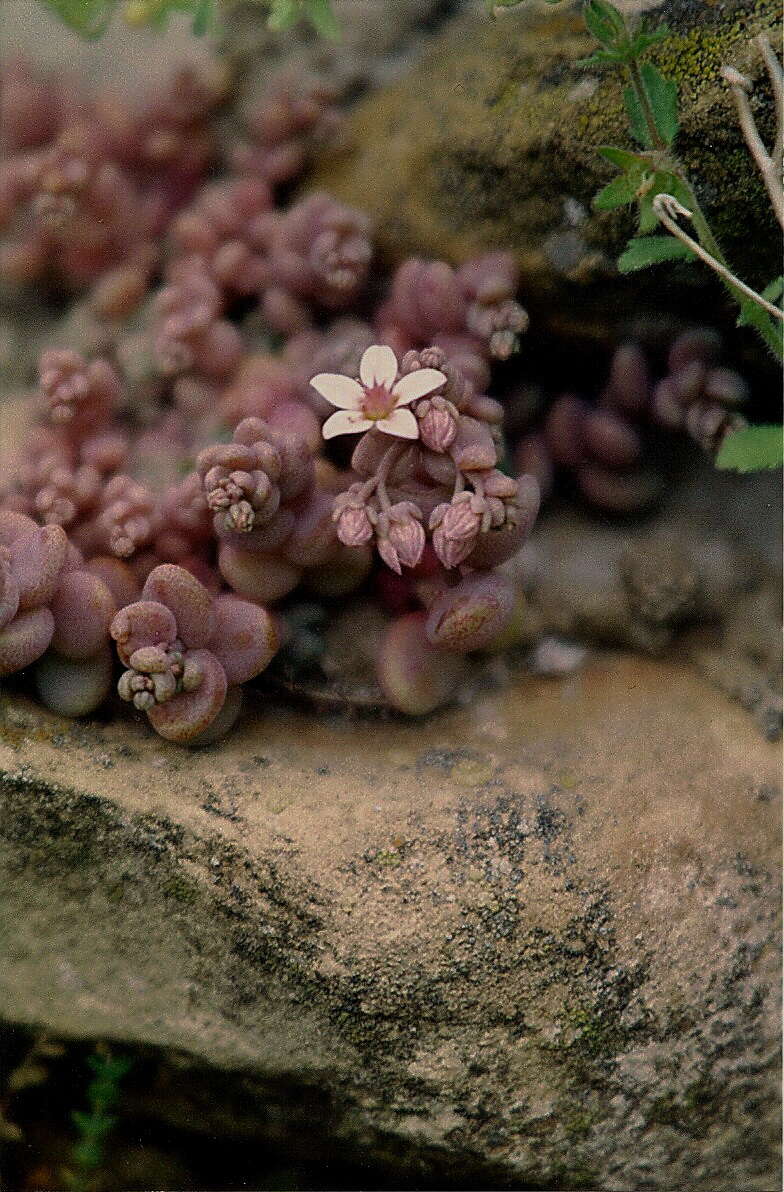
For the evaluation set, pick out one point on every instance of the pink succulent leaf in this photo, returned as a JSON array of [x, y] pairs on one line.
[[415, 675], [83, 608], [9, 589], [189, 713], [143, 623], [14, 525], [245, 638], [470, 615], [187, 599], [24, 639], [256, 575], [37, 561]]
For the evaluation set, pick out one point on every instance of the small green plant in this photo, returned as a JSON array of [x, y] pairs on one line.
[[652, 178], [90, 18], [95, 1124]]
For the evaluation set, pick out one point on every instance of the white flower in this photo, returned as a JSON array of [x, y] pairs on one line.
[[377, 399]]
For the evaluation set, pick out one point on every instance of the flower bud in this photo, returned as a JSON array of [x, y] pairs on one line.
[[456, 527], [437, 423], [353, 517], [401, 536]]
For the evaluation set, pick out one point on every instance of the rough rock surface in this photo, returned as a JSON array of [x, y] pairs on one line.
[[377, 41], [534, 936], [490, 142]]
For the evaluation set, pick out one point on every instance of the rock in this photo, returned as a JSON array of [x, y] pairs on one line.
[[527, 942], [710, 555], [376, 41], [490, 142]]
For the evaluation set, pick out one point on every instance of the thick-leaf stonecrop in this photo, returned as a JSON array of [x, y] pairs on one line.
[[256, 415]]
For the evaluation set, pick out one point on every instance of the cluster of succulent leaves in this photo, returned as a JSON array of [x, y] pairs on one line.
[[90, 18], [94, 1125], [651, 169]]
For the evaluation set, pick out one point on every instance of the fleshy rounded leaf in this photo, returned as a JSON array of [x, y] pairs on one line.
[[187, 598], [74, 688], [415, 675], [472, 614], [188, 714], [9, 600], [37, 560], [83, 608], [143, 623], [223, 722], [15, 525], [117, 576], [25, 639], [245, 638], [257, 576]]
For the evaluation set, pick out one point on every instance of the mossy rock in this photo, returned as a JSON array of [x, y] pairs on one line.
[[543, 958], [490, 142]]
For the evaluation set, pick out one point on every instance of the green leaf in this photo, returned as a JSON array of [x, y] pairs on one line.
[[772, 292], [204, 18], [663, 96], [752, 449], [606, 23], [623, 158], [88, 17], [87, 1155], [661, 182], [283, 14], [601, 58], [637, 124], [322, 18], [643, 251], [620, 192], [643, 40], [774, 289]]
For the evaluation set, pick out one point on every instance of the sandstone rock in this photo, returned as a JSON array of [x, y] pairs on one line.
[[490, 142], [530, 940]]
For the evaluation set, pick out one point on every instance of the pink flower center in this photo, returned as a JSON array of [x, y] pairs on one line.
[[378, 402]]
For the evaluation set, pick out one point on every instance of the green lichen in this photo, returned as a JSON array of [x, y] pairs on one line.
[[388, 858], [594, 1035], [180, 890]]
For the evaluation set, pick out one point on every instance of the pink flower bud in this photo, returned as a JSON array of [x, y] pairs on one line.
[[437, 423], [456, 527], [401, 536], [354, 527]]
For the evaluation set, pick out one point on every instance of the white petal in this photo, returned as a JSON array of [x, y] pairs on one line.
[[346, 422], [340, 391], [378, 366], [400, 422], [417, 384]]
